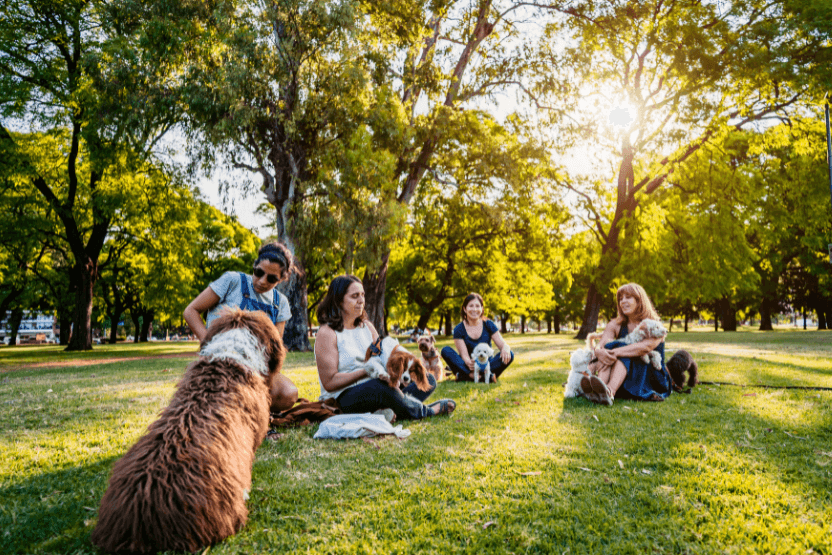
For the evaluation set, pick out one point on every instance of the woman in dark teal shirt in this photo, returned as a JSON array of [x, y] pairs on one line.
[[472, 330]]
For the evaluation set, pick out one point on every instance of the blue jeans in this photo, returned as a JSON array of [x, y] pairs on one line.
[[375, 394], [457, 365]]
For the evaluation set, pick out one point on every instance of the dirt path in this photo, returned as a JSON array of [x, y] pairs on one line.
[[87, 362]]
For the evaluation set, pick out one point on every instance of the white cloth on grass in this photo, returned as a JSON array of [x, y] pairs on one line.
[[352, 426]]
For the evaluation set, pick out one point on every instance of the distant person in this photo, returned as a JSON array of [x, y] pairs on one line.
[[346, 333], [253, 292], [474, 329], [621, 369]]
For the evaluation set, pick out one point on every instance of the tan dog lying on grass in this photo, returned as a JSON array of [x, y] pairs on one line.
[[184, 484]]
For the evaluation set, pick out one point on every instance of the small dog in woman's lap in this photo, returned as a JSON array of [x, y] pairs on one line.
[[184, 484]]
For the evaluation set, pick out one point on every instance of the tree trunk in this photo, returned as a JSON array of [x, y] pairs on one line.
[[147, 322], [767, 307], [503, 322], [296, 333], [136, 318], [728, 315], [591, 310], [424, 318], [85, 273], [449, 330], [522, 324], [670, 327], [374, 284], [686, 322], [557, 322], [14, 325], [65, 323], [549, 325], [113, 328]]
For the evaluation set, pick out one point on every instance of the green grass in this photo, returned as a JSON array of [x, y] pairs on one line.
[[516, 469]]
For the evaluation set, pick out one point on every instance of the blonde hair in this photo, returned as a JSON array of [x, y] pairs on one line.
[[644, 308]]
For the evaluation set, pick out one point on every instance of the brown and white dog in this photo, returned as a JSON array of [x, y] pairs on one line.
[[430, 356], [184, 484], [392, 363]]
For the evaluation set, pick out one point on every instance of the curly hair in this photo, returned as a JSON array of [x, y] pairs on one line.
[[329, 311], [644, 308], [279, 254]]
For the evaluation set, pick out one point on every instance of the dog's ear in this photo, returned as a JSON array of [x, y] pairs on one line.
[[419, 375], [395, 367], [432, 340]]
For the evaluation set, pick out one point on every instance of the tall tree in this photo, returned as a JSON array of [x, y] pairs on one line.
[[683, 69], [459, 63], [281, 89], [62, 71]]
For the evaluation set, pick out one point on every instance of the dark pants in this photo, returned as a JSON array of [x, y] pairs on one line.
[[457, 365], [373, 395]]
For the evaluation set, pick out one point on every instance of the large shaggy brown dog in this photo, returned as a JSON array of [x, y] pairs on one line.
[[184, 484]]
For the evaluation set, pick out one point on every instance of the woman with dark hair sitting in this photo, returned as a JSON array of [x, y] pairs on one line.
[[252, 292], [475, 329], [344, 334]]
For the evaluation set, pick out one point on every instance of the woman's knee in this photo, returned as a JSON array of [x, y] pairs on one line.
[[284, 394], [447, 352]]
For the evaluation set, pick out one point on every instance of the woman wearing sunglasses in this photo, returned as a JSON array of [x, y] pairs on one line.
[[251, 292]]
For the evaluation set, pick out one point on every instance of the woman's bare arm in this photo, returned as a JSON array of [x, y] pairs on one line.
[[203, 302], [637, 349], [463, 352], [607, 357], [326, 359], [505, 351]]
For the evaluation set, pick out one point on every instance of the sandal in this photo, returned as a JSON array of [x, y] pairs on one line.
[[445, 406], [274, 435]]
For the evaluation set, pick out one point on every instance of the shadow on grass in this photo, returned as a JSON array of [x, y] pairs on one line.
[[53, 512]]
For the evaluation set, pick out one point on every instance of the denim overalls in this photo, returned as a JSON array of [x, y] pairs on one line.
[[252, 305]]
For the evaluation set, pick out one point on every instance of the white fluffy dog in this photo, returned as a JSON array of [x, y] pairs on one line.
[[579, 367], [648, 329], [481, 355]]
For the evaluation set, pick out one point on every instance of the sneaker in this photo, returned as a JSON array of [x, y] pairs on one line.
[[388, 414]]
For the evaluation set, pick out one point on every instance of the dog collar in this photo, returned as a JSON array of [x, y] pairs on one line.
[[238, 345], [481, 365]]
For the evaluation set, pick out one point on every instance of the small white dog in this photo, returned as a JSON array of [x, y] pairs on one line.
[[648, 329], [481, 354], [579, 367]]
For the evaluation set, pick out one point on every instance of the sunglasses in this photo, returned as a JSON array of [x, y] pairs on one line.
[[271, 278]]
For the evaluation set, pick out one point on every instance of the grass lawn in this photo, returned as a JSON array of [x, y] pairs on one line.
[[516, 469]]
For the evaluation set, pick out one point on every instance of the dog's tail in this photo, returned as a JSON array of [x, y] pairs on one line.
[[592, 340]]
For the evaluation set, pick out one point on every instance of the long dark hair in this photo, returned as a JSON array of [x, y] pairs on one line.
[[329, 311], [468, 299], [279, 254]]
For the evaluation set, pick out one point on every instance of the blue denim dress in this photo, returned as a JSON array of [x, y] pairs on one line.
[[642, 379]]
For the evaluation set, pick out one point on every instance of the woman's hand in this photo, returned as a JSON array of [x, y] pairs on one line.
[[470, 364], [605, 357], [505, 354]]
